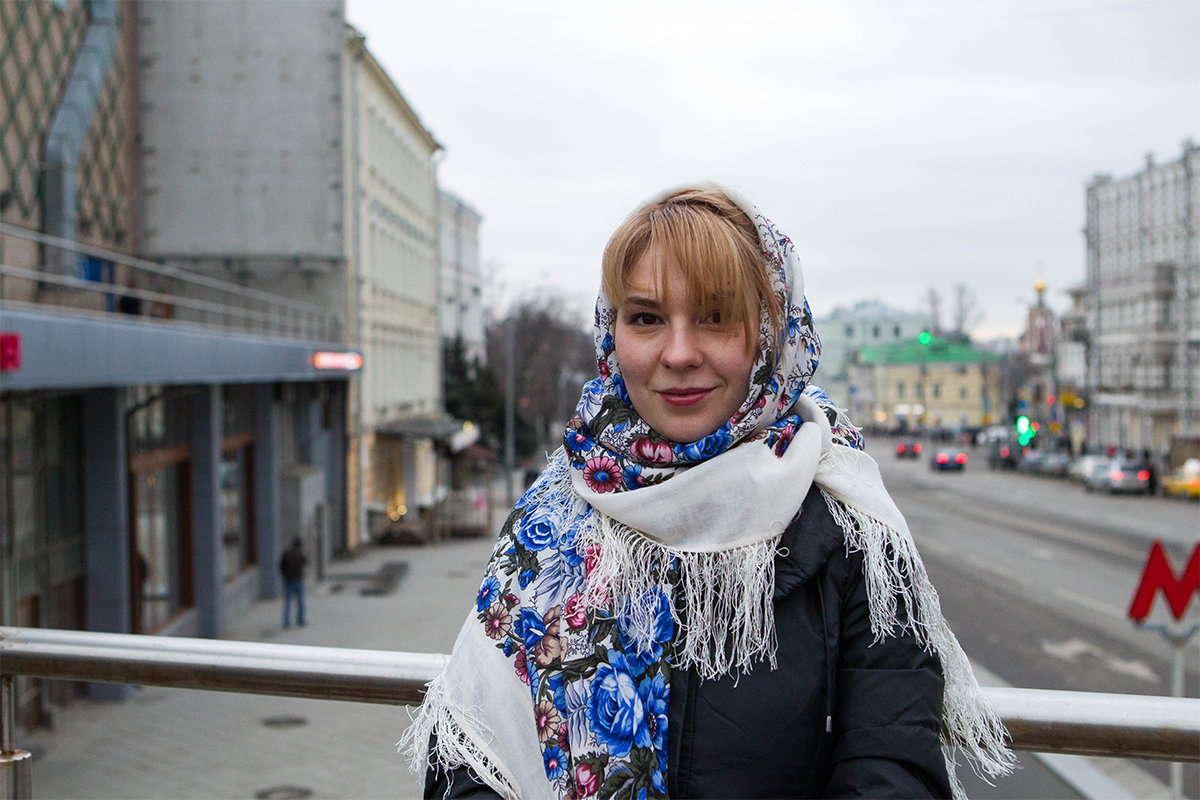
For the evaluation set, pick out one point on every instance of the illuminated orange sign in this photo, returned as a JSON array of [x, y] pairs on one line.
[[324, 359]]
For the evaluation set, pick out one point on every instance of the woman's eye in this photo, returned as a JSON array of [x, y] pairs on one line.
[[642, 318], [713, 317]]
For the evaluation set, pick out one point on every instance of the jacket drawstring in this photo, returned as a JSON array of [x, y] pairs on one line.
[[828, 660]]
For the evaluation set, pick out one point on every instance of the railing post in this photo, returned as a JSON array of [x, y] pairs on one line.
[[16, 766]]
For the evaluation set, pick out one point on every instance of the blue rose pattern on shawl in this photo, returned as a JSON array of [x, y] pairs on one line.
[[602, 675]]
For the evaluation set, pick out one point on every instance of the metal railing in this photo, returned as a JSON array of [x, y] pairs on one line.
[[151, 290], [1038, 720]]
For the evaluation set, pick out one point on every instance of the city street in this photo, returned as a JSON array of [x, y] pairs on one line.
[[1034, 575]]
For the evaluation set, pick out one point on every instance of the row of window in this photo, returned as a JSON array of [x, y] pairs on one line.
[[876, 330], [919, 390]]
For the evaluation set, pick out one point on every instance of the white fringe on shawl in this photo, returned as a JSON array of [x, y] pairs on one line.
[[730, 616], [454, 747]]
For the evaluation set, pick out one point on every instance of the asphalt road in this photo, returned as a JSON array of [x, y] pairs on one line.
[[1036, 577]]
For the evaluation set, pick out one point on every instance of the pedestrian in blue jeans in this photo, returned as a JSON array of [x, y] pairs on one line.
[[292, 567]]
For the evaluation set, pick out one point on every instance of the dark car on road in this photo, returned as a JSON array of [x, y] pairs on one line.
[[908, 448], [943, 460], [1004, 455]]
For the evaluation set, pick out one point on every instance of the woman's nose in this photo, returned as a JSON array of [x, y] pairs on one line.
[[682, 348]]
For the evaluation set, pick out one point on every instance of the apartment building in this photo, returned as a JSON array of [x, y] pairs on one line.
[[1143, 305], [166, 425]]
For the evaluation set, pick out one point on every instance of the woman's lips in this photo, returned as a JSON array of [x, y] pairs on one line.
[[684, 397]]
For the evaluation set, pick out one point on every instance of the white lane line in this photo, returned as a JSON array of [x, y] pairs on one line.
[[996, 569], [1089, 603]]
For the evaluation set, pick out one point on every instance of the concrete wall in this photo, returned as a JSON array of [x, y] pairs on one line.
[[241, 127]]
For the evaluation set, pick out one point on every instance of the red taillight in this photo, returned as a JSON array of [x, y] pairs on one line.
[[916, 448], [1004, 452], [1117, 475], [942, 458], [1143, 475], [899, 448], [961, 458]]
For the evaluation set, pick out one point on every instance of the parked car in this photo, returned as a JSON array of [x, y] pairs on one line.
[[943, 460], [1085, 466], [1119, 475], [1003, 455], [1030, 460], [1056, 464], [1185, 481], [908, 448]]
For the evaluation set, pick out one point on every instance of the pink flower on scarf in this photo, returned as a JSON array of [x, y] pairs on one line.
[[785, 438], [591, 556], [602, 474], [602, 364], [522, 670], [651, 451], [573, 612], [587, 781]]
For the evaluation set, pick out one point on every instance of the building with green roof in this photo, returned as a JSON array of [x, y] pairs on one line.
[[926, 382]]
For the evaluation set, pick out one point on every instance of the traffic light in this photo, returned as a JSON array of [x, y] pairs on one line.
[[1026, 430], [924, 338]]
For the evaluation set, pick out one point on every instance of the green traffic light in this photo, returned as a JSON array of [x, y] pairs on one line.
[[1023, 426], [924, 338]]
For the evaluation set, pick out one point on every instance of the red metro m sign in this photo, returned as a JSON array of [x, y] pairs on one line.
[[1159, 575]]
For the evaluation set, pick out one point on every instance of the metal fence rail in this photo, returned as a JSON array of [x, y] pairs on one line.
[[164, 292], [1039, 720]]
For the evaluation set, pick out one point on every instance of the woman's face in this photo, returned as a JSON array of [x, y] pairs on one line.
[[687, 372]]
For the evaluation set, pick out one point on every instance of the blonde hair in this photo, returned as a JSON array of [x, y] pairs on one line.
[[715, 244]]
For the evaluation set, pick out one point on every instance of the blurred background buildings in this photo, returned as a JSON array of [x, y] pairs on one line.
[[219, 288]]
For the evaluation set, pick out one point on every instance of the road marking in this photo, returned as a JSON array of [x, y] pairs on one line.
[[1088, 603], [1042, 553], [1072, 649], [996, 569]]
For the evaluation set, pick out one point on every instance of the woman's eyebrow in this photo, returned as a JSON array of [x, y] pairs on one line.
[[642, 302]]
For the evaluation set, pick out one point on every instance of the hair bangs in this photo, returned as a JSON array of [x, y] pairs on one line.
[[715, 245]]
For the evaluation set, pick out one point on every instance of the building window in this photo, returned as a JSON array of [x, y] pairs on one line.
[[896, 332], [937, 390], [919, 390], [849, 331], [963, 393], [237, 470], [875, 332], [900, 389], [160, 481]]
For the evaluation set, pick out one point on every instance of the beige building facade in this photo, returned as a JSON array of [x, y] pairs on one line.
[[939, 384], [391, 214]]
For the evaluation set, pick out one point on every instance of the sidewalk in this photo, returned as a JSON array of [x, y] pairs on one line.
[[180, 743]]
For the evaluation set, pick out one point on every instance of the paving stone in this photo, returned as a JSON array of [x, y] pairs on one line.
[[182, 743]]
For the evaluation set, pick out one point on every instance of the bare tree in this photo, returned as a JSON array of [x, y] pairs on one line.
[[967, 313], [553, 356], [933, 309]]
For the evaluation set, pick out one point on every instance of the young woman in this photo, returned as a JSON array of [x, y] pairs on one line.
[[708, 592]]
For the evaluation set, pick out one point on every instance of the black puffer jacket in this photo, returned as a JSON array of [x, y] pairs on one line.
[[842, 716]]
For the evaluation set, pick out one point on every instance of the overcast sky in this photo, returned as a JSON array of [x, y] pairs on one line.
[[900, 145]]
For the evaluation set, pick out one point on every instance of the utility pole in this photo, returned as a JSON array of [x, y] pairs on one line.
[[510, 411]]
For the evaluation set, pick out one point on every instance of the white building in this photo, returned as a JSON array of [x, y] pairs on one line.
[[462, 281], [277, 152], [391, 213], [845, 330], [1143, 300]]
